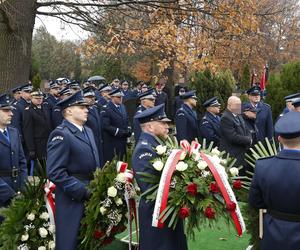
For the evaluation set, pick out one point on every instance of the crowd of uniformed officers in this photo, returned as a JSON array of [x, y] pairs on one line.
[[77, 129]]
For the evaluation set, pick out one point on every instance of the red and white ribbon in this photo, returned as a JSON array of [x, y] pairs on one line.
[[221, 179], [49, 198], [130, 202], [164, 186]]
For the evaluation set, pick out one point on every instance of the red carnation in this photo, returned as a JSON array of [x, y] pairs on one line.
[[191, 189], [108, 240], [98, 234], [231, 206], [184, 212], [237, 184], [214, 187], [209, 213]]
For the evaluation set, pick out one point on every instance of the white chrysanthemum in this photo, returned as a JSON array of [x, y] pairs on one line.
[[112, 191], [42, 248], [25, 237], [102, 210], [202, 165], [44, 216], [205, 173], [216, 159], [119, 202], [197, 156], [181, 166], [31, 217], [158, 165], [51, 229], [223, 161], [121, 177], [215, 151], [51, 245], [43, 232], [234, 171], [161, 149]]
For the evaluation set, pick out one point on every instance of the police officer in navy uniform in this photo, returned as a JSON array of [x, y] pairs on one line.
[[210, 123], [289, 99], [72, 159], [53, 96], [104, 98], [128, 94], [56, 115], [275, 187], [178, 101], [37, 126], [13, 170], [186, 121], [161, 96], [154, 123], [16, 94], [147, 101], [94, 121], [74, 86], [116, 128], [264, 120], [296, 105]]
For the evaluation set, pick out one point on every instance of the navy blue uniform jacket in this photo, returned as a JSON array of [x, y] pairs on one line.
[[70, 152], [151, 237], [275, 185]]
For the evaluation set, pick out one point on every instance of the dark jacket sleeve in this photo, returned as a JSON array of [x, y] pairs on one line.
[[181, 126], [112, 130], [255, 193], [28, 130], [229, 132]]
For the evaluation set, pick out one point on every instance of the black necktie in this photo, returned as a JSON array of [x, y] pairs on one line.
[[6, 135]]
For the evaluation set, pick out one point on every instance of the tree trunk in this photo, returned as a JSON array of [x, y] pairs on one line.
[[17, 19]]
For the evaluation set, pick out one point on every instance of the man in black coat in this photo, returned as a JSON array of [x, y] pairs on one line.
[[161, 96], [37, 126], [53, 96], [235, 137]]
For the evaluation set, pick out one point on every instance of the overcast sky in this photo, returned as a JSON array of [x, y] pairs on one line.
[[62, 31]]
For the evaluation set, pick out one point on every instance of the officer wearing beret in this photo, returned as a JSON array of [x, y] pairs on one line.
[[147, 101], [53, 96], [264, 121], [37, 126], [94, 121], [116, 128], [72, 159], [13, 170], [186, 121], [275, 187], [210, 123], [154, 123], [56, 115], [296, 105]]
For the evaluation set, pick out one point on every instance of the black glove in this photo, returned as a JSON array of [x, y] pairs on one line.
[[32, 155]]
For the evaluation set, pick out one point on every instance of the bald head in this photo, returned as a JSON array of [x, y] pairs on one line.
[[234, 104]]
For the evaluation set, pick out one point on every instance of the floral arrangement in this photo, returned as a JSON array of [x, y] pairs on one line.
[[27, 221], [192, 183], [111, 206]]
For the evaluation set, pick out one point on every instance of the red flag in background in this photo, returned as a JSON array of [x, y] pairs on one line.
[[264, 78]]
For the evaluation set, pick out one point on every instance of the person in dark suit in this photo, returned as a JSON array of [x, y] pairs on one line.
[[275, 187], [94, 121], [116, 128], [264, 120], [56, 115], [128, 94], [37, 126], [154, 124], [72, 159], [186, 121], [53, 96], [178, 101], [161, 96], [147, 101], [13, 169], [235, 137], [210, 123]]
